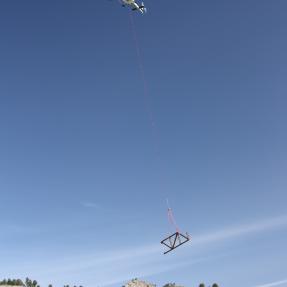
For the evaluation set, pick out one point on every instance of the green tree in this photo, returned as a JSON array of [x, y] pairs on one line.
[[12, 282], [19, 282], [169, 285], [30, 283], [215, 285], [201, 285]]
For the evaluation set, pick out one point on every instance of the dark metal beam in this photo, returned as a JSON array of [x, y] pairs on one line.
[[176, 238]]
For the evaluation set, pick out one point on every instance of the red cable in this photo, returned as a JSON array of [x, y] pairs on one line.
[[147, 100], [172, 219], [149, 110]]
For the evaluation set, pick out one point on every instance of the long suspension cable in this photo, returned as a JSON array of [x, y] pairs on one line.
[[147, 98], [171, 218], [144, 80]]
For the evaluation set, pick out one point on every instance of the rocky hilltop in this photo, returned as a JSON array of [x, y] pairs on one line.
[[139, 283]]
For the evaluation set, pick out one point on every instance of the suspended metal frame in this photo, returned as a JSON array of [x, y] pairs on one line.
[[175, 240]]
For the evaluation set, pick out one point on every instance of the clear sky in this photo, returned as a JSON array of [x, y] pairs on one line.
[[84, 173]]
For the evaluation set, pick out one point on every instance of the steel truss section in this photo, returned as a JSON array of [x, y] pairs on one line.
[[175, 240]]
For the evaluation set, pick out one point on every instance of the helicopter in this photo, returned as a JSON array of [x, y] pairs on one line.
[[134, 5]]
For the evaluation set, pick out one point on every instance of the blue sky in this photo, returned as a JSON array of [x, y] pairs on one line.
[[84, 174]]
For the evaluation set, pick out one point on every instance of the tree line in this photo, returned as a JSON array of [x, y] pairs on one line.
[[28, 283], [200, 285], [33, 283]]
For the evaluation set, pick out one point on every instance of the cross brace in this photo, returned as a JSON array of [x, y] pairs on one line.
[[175, 240]]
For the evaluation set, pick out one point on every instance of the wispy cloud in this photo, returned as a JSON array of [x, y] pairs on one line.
[[274, 284], [16, 230], [154, 270], [115, 266], [89, 204], [241, 230]]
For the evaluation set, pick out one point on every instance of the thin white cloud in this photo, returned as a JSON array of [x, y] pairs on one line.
[[274, 284], [241, 230], [116, 266], [89, 204], [16, 230], [151, 270]]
